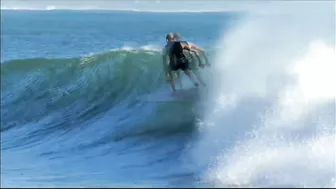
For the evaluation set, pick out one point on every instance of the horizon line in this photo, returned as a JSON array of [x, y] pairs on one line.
[[107, 9]]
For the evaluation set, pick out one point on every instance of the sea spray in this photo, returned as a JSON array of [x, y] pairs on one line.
[[275, 123]]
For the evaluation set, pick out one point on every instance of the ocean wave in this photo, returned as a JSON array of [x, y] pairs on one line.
[[64, 93]]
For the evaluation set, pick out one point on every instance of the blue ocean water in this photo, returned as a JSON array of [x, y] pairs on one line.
[[43, 33], [71, 113]]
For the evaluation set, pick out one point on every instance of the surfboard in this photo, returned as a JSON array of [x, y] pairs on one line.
[[168, 96]]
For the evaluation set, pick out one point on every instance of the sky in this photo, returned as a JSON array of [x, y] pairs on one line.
[[173, 5]]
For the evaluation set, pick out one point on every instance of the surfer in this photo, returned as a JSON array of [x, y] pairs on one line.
[[167, 69], [177, 60], [189, 55]]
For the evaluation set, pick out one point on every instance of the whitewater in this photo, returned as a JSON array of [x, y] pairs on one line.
[[273, 123], [71, 114]]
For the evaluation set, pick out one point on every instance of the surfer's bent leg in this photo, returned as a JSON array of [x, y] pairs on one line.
[[198, 76], [171, 81], [191, 77], [194, 69], [179, 79], [185, 68]]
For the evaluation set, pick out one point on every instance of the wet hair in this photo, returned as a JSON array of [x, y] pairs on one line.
[[177, 36], [170, 36]]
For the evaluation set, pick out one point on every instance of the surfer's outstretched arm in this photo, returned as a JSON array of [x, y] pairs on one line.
[[199, 50], [200, 63], [191, 48]]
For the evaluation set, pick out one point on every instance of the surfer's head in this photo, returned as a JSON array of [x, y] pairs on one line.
[[177, 36], [170, 37]]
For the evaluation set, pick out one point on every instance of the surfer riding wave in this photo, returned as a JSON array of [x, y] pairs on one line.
[[174, 60]]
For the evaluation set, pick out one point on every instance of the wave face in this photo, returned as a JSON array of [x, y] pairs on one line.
[[62, 107], [87, 86]]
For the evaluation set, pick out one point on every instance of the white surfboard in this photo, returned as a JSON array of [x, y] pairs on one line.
[[168, 96]]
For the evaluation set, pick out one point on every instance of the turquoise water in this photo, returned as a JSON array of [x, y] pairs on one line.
[[71, 113]]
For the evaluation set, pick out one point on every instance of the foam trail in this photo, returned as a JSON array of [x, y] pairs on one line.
[[274, 121], [149, 47]]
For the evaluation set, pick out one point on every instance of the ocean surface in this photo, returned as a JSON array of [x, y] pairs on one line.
[[73, 112]]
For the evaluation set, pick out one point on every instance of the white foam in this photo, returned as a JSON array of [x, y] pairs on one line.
[[278, 129], [149, 47]]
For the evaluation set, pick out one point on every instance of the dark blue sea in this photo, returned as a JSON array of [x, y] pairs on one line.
[[73, 112]]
